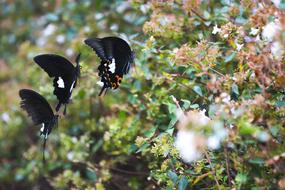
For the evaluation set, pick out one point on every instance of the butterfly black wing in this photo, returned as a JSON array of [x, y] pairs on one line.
[[36, 106], [64, 73], [113, 47], [112, 50]]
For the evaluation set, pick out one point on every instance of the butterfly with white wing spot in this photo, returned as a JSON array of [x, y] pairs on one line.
[[40, 111], [64, 73], [116, 59]]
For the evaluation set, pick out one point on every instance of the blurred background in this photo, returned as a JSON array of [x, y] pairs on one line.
[[29, 28], [202, 108]]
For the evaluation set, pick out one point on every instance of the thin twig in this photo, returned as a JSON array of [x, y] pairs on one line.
[[217, 72], [197, 14], [213, 170], [227, 166]]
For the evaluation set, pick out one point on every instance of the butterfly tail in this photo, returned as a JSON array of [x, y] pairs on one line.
[[58, 106], [64, 111], [104, 89]]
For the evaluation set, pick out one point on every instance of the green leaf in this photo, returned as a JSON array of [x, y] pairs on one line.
[[274, 130], [194, 106], [143, 147], [241, 178], [280, 103], [230, 57], [257, 160], [91, 174], [183, 182], [198, 90], [186, 104], [149, 133], [170, 131], [172, 175]]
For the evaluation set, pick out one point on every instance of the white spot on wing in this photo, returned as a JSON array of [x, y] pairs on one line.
[[112, 66], [60, 83], [71, 86], [43, 127]]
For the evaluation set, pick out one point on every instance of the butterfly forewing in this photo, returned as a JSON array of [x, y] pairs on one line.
[[54, 65], [36, 106]]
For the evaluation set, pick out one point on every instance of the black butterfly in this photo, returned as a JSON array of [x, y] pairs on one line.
[[40, 111], [64, 73], [116, 58]]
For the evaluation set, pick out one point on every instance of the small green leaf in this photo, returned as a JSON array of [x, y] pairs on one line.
[[241, 178], [194, 106], [149, 133], [186, 104], [183, 182], [230, 57], [143, 147], [198, 90], [258, 161], [91, 174], [280, 103], [173, 176]]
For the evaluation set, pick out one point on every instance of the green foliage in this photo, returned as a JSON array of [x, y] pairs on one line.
[[128, 138]]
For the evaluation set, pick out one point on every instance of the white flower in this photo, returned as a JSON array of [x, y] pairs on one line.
[[86, 29], [114, 27], [49, 30], [226, 36], [254, 31], [277, 50], [41, 42], [187, 145], [195, 119], [60, 39], [239, 46], [216, 30], [69, 52], [98, 16], [226, 98], [5, 117], [270, 30], [213, 142], [70, 155]]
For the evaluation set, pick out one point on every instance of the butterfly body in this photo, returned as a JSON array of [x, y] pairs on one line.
[[116, 58], [64, 73]]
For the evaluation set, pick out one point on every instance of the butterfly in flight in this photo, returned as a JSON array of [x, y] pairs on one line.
[[116, 59], [64, 73], [40, 111]]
